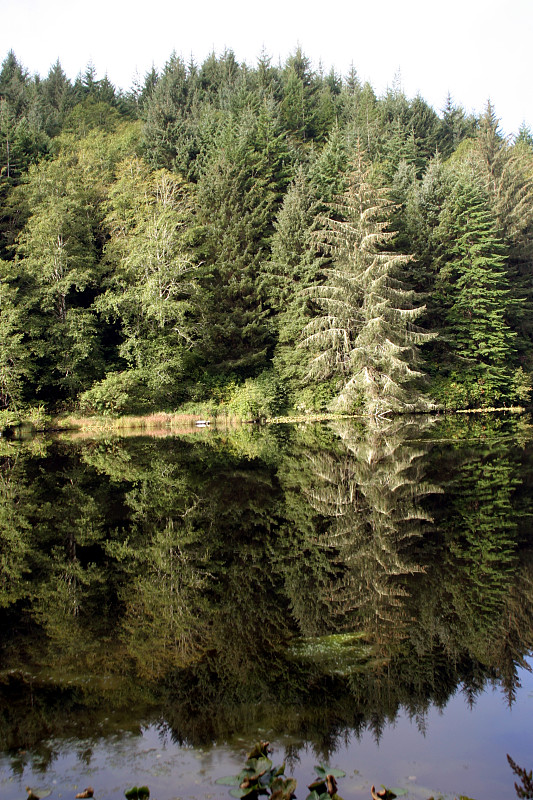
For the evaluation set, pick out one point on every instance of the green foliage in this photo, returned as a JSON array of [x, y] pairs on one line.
[[364, 331], [476, 290], [150, 275], [36, 417], [8, 419], [117, 393], [171, 233], [15, 361], [239, 192], [137, 793], [257, 398], [318, 397]]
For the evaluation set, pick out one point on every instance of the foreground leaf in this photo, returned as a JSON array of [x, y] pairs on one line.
[[229, 780]]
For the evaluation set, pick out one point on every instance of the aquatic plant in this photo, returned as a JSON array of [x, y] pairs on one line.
[[260, 777]]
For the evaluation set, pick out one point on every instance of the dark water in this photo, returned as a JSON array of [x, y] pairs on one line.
[[358, 595]]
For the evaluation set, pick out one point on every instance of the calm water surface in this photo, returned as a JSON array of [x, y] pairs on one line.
[[358, 595]]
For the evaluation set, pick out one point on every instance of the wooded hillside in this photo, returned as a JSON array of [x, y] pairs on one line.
[[271, 238]]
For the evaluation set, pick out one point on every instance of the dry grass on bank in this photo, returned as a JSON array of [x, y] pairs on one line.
[[159, 424]]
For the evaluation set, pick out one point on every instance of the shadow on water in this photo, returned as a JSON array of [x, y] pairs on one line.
[[321, 585]]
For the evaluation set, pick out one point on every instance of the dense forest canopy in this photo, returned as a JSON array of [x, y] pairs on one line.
[[268, 237]]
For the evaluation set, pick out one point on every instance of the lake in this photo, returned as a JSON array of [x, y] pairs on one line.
[[358, 594]]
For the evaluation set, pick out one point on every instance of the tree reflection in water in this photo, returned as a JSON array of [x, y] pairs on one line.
[[311, 580]]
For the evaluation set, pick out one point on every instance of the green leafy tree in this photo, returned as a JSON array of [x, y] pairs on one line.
[[150, 277], [364, 334], [15, 361], [58, 254], [58, 268]]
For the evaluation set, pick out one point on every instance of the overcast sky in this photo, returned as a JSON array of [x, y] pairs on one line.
[[474, 49]]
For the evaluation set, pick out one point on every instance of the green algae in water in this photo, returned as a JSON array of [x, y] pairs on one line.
[[336, 653]]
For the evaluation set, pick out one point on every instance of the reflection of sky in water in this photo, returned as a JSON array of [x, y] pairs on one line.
[[463, 751]]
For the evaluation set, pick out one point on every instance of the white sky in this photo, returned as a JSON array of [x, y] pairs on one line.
[[475, 49]]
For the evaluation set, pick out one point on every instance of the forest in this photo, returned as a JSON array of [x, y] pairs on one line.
[[267, 239]]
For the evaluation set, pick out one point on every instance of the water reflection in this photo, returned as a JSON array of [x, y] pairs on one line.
[[316, 582]]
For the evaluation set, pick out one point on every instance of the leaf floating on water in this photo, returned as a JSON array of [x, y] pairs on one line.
[[229, 780], [37, 794], [336, 773], [242, 791]]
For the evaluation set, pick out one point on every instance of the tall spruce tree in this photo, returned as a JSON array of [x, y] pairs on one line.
[[365, 334], [506, 175], [477, 294], [294, 266], [238, 195]]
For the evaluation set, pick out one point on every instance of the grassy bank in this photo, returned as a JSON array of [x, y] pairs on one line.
[[35, 420]]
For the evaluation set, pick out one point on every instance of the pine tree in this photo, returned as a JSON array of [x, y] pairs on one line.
[[238, 195], [477, 294], [298, 107], [165, 103], [327, 171], [506, 175], [22, 137], [454, 127], [58, 99], [365, 335], [294, 266]]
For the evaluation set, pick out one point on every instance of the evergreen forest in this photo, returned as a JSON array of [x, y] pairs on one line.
[[270, 239]]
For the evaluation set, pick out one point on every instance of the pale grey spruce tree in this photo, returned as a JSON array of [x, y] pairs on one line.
[[364, 333]]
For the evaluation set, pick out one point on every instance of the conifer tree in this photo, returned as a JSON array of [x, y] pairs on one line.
[[454, 127], [58, 99], [238, 195], [327, 171], [294, 266], [364, 334], [477, 294], [298, 107], [165, 102], [506, 175]]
